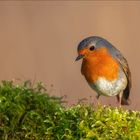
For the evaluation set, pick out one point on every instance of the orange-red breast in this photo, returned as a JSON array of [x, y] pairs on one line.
[[105, 68]]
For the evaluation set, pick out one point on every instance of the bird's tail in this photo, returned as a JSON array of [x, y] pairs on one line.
[[125, 96]]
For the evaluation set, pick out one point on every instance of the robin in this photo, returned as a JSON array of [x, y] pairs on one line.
[[105, 68]]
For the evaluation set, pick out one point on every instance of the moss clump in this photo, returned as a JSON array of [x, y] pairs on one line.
[[28, 112]]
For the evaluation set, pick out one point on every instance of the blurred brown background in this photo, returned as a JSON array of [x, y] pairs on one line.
[[38, 41]]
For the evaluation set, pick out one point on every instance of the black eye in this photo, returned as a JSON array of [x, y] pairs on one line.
[[92, 48]]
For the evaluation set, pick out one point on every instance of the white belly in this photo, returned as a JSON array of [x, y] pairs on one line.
[[110, 88]]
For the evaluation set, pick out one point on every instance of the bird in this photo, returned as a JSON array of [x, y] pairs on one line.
[[105, 69]]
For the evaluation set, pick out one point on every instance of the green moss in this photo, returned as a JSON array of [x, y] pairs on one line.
[[28, 112]]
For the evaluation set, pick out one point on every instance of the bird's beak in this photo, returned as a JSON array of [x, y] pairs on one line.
[[79, 57]]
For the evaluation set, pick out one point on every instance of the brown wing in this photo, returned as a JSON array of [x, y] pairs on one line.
[[125, 67]]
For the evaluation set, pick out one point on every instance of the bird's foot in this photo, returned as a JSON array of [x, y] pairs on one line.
[[98, 102]]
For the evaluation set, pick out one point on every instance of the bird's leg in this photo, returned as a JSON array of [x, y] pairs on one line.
[[97, 97], [119, 98]]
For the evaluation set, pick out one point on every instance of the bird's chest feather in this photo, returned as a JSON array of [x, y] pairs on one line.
[[99, 64]]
